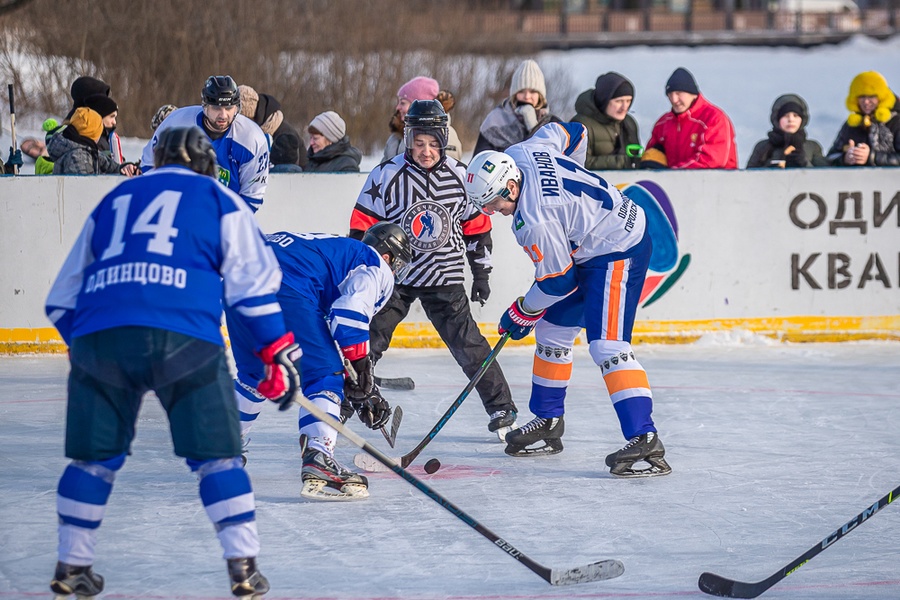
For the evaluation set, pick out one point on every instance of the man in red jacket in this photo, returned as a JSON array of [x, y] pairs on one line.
[[694, 134]]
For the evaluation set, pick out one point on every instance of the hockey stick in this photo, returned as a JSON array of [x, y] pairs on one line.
[[716, 585], [362, 461], [596, 571], [12, 125], [390, 437], [395, 383]]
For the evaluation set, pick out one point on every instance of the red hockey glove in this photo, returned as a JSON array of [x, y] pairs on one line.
[[518, 321], [282, 380]]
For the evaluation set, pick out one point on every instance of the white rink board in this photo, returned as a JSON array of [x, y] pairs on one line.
[[735, 225]]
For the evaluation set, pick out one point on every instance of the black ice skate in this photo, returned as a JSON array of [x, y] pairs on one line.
[[325, 479], [81, 581], [502, 422], [247, 583], [646, 447], [539, 430]]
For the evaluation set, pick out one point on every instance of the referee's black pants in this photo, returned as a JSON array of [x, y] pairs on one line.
[[447, 307]]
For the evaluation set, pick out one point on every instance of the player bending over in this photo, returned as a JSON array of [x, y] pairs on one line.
[[590, 249], [331, 288], [139, 302]]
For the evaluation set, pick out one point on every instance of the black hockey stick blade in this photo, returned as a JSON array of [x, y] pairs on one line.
[[410, 456], [716, 585], [395, 383], [391, 437], [596, 571]]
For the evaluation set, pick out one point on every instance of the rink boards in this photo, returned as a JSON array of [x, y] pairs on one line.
[[801, 255]]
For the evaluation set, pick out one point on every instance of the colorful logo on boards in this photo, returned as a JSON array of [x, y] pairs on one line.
[[666, 266]]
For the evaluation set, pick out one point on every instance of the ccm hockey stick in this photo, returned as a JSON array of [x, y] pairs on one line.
[[365, 462], [595, 571], [716, 585]]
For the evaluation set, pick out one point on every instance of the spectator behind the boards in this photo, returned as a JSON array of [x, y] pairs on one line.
[[871, 135], [786, 145], [614, 140], [329, 146]]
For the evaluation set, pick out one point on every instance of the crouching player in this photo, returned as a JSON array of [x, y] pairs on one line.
[[590, 249], [331, 288], [139, 302]]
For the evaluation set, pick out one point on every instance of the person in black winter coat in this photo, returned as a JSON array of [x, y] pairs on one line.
[[329, 146], [266, 112], [786, 145]]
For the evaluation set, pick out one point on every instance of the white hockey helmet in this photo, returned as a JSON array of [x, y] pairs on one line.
[[487, 175]]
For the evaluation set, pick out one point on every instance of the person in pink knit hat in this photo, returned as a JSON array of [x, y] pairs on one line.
[[417, 88]]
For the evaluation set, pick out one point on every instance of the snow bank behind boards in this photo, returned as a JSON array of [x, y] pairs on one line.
[[808, 254]]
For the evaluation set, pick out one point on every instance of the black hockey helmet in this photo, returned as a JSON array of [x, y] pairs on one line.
[[221, 90], [389, 238], [426, 116], [187, 146]]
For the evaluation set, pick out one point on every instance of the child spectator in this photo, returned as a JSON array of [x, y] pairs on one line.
[[74, 150], [871, 135], [786, 145]]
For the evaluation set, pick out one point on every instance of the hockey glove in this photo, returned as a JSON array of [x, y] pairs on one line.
[[360, 370], [481, 291], [518, 321], [281, 380], [373, 410]]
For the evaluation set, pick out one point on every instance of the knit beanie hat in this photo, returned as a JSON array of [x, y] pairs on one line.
[[528, 76], [104, 105], [87, 122], [87, 86], [611, 85], [682, 81], [419, 88], [330, 124], [249, 99], [870, 83], [286, 150]]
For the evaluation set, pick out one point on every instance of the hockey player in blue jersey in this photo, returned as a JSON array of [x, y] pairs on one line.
[[331, 289], [139, 302], [591, 247], [242, 150]]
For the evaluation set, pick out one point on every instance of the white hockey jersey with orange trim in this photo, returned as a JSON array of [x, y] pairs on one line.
[[565, 214]]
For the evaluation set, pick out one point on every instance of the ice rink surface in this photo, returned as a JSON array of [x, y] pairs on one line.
[[773, 447]]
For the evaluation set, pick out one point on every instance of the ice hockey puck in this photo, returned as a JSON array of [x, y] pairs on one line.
[[432, 466]]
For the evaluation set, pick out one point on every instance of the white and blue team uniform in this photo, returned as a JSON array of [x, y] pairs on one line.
[[162, 251], [332, 287], [591, 250], [242, 152]]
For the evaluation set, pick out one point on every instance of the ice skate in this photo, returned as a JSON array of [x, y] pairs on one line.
[[646, 447], [547, 432], [247, 583], [325, 479], [502, 422], [80, 581]]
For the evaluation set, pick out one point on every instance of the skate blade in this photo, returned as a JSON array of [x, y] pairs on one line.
[[657, 467], [547, 449], [58, 596], [316, 489], [501, 433]]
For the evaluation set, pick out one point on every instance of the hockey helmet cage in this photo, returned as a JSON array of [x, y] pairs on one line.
[[187, 146], [487, 175], [426, 116], [221, 90], [389, 238]]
